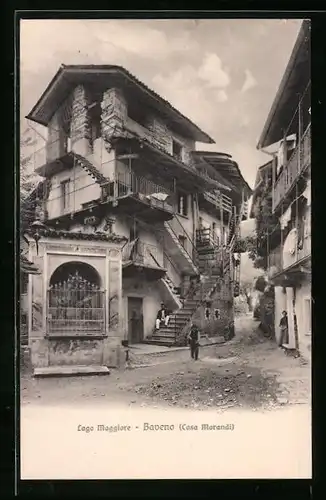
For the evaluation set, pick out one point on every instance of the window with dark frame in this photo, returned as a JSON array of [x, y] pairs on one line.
[[177, 150]]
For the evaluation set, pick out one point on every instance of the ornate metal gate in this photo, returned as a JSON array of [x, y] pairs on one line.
[[75, 307]]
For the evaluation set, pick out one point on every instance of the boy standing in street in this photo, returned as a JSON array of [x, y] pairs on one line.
[[194, 337]]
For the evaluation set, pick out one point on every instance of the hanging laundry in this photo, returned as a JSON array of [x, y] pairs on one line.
[[158, 196], [307, 193], [285, 218]]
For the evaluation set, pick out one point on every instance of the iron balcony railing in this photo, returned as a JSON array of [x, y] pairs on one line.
[[221, 201], [140, 252], [297, 163], [129, 184]]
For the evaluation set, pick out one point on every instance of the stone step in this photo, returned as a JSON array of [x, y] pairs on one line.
[[165, 335], [67, 370], [165, 343]]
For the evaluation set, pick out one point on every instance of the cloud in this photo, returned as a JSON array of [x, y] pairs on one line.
[[138, 38], [249, 82], [221, 96], [212, 73]]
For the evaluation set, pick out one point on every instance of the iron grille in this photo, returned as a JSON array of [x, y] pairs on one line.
[[75, 307]]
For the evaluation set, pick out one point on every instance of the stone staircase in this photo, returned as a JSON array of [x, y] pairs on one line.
[[213, 264], [170, 293], [175, 332], [90, 168], [170, 335], [174, 289]]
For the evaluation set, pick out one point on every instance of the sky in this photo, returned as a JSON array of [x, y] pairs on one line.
[[221, 73]]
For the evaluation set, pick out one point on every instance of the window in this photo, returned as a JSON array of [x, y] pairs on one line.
[[65, 195], [177, 150], [182, 204]]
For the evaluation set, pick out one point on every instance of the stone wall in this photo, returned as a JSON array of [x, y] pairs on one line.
[[80, 130], [114, 114]]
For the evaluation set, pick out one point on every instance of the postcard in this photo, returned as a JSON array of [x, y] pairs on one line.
[[165, 249]]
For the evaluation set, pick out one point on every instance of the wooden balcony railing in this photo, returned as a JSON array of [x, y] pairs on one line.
[[219, 200], [298, 162], [206, 236]]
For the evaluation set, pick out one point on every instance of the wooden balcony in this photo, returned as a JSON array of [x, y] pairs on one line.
[[286, 270], [141, 257], [52, 158], [132, 194], [156, 146], [218, 200], [295, 167]]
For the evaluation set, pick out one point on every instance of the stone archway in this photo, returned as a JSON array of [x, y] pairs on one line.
[[75, 301]]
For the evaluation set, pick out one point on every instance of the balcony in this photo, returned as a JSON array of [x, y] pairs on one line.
[[162, 142], [158, 150], [218, 200], [136, 195], [140, 257], [297, 164], [53, 157], [285, 269]]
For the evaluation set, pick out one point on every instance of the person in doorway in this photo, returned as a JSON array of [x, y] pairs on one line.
[[284, 327], [162, 317], [194, 338]]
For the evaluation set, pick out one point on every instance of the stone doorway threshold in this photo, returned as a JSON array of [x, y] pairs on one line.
[[67, 370]]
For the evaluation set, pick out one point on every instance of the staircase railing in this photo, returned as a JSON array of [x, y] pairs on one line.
[[206, 236], [194, 256], [168, 258]]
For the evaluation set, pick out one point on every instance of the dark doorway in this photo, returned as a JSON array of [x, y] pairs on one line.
[[135, 320]]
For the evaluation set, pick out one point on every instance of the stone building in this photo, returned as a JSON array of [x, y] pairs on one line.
[[288, 133], [129, 215]]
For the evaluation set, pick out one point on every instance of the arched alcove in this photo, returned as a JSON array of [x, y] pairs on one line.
[[75, 300], [69, 269]]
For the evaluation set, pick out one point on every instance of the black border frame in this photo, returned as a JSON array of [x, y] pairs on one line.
[[10, 394]]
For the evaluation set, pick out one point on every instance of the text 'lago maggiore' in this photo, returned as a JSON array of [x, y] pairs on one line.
[[147, 427]]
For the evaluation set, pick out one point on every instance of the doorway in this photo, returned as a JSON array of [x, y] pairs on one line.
[[135, 320]]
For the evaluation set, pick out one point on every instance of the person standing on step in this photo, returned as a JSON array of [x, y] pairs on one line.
[[163, 316], [194, 338], [284, 327]]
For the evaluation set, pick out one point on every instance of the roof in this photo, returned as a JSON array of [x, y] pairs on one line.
[[226, 168], [79, 235], [294, 82], [68, 76], [26, 266]]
